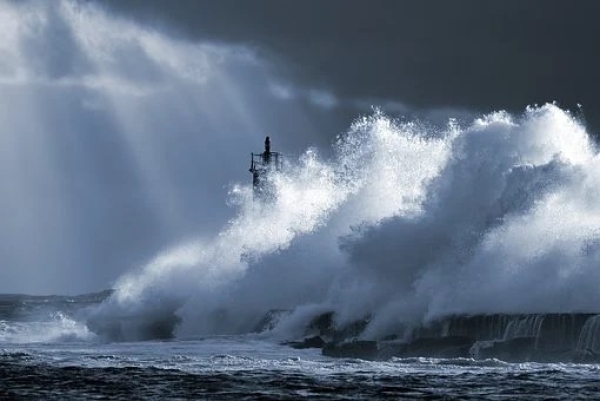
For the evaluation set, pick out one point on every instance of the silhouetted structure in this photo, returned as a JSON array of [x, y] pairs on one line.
[[261, 164]]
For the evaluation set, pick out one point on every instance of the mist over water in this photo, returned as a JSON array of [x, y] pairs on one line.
[[399, 220]]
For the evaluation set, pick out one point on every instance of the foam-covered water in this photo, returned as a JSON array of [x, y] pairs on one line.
[[237, 367]]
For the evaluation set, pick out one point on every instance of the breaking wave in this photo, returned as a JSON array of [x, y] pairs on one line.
[[404, 224], [58, 327]]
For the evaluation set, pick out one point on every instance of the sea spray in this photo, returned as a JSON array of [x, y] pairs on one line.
[[57, 327], [503, 227], [226, 284], [402, 225], [508, 223], [198, 272]]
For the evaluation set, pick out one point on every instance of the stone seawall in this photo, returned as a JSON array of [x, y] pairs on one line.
[[553, 337]]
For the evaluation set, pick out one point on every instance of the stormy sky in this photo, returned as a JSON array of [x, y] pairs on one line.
[[124, 122], [461, 54]]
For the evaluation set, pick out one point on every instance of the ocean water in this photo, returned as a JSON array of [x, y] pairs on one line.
[[46, 354]]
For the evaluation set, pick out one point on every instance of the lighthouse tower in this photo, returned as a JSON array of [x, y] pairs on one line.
[[261, 165]]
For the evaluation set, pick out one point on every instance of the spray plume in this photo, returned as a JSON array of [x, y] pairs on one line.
[[403, 224]]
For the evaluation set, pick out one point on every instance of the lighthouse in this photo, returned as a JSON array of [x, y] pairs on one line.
[[261, 166]]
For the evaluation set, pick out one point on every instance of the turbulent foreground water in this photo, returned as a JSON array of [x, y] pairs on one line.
[[47, 352], [238, 367]]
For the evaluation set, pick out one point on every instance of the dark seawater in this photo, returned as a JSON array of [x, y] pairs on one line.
[[46, 352], [23, 378]]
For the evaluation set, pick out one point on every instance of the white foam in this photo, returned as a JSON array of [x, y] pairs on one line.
[[58, 328]]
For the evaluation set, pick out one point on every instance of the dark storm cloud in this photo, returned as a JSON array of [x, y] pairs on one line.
[[480, 55]]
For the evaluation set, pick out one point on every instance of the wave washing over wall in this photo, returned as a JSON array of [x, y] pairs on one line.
[[405, 225]]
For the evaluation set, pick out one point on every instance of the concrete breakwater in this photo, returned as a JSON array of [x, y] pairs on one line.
[[554, 337]]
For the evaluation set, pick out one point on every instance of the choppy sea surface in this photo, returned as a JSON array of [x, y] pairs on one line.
[[47, 352], [250, 367], [247, 367]]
